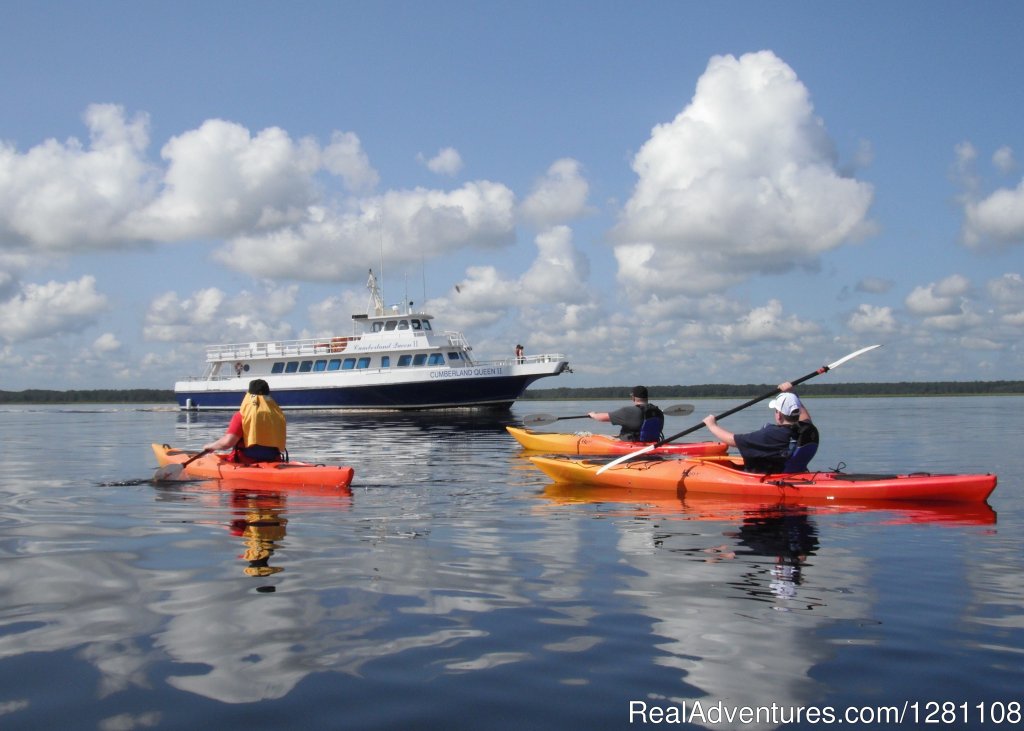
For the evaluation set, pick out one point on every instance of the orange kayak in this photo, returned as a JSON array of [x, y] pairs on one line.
[[560, 443], [725, 476], [280, 474]]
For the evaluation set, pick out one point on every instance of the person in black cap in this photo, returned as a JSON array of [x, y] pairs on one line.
[[257, 431], [641, 421]]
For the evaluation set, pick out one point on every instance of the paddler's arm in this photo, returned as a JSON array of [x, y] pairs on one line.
[[232, 435], [805, 415], [600, 415], [721, 434], [228, 441]]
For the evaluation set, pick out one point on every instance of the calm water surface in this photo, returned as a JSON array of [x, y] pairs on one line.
[[455, 588]]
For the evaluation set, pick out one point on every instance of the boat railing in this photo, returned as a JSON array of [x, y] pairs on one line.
[[278, 348], [456, 339], [306, 346], [543, 358]]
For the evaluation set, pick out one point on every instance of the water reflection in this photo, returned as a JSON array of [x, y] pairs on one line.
[[262, 527], [452, 579], [258, 513], [692, 506], [707, 598]]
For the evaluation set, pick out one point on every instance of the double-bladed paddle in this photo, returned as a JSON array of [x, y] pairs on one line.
[[751, 402], [171, 471], [542, 419]]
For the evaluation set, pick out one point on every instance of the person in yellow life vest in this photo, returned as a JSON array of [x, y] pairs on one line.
[[258, 431]]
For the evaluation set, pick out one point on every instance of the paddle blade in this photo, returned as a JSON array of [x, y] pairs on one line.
[[173, 471], [539, 419], [626, 457], [851, 356], [168, 472], [678, 410]]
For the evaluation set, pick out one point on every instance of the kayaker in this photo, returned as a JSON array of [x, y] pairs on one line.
[[769, 448], [641, 421], [257, 431]]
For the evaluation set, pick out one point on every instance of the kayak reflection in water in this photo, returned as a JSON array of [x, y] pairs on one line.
[[262, 528]]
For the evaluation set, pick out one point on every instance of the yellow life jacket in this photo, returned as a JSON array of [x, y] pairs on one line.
[[263, 422]]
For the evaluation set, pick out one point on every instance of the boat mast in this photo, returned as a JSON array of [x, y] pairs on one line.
[[376, 305]]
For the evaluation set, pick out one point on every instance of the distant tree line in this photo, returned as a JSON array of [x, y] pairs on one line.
[[97, 396], [746, 391], [709, 390]]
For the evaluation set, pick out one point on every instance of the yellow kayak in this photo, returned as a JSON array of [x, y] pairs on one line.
[[554, 443]]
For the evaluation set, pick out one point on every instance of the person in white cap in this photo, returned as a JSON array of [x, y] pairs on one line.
[[767, 449]]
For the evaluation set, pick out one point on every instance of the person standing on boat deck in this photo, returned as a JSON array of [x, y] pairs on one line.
[[519, 353], [640, 422], [767, 449], [257, 431]]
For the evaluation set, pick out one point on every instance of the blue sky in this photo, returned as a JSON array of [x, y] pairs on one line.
[[668, 192]]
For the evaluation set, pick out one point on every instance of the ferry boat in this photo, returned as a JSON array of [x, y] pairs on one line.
[[393, 360]]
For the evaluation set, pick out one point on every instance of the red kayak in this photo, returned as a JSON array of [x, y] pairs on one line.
[[279, 474], [725, 476]]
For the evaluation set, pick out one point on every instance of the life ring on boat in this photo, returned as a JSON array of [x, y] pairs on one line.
[[338, 344], [238, 368]]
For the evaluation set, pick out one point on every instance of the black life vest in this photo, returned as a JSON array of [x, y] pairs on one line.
[[653, 424]]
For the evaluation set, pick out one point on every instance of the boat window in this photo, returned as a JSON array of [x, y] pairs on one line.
[[363, 362], [348, 364], [454, 356], [320, 365], [385, 361], [426, 324], [404, 360], [391, 325], [378, 326], [436, 359], [415, 324], [334, 365], [420, 359], [306, 366], [278, 367], [293, 365], [403, 324]]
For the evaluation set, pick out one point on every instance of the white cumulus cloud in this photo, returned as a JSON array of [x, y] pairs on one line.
[[872, 319], [447, 161], [345, 157], [69, 196], [744, 180], [996, 221], [938, 298], [402, 226], [559, 197], [42, 310], [222, 180]]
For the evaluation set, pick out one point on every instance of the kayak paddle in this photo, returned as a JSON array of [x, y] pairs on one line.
[[171, 471], [542, 419], [751, 402]]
